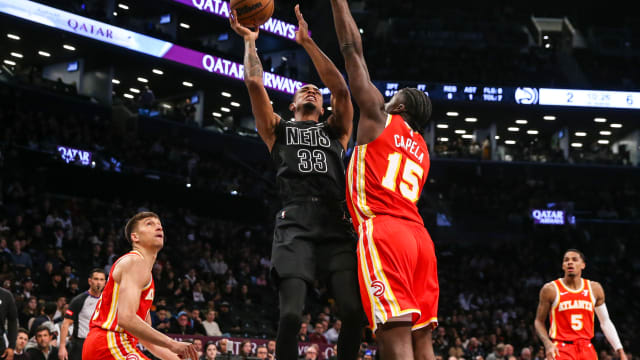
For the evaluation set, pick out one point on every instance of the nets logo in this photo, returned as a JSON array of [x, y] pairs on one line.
[[526, 96], [378, 288]]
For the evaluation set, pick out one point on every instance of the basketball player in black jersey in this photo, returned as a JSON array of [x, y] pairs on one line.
[[313, 235]]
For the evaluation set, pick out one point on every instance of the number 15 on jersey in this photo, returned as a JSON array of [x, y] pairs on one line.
[[409, 184]]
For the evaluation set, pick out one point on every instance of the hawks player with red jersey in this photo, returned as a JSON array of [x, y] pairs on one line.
[[121, 317], [397, 264], [571, 302]]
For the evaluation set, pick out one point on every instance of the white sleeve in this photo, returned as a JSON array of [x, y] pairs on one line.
[[607, 327]]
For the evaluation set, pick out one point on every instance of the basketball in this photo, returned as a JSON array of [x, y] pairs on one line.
[[253, 13]]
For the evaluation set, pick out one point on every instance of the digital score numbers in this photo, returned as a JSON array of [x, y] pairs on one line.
[[445, 92], [590, 98]]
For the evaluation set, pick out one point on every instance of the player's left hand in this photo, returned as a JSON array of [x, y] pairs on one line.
[[302, 34], [621, 354], [7, 355]]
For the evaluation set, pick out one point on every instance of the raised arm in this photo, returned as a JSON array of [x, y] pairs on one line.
[[266, 119], [547, 295], [342, 118], [366, 95], [127, 274]]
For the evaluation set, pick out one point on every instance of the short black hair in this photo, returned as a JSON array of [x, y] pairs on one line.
[[24, 331], [42, 328], [133, 222], [50, 308], [576, 251], [97, 270], [418, 107]]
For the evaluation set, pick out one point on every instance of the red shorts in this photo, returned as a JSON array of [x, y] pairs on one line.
[[579, 350], [397, 272], [109, 345]]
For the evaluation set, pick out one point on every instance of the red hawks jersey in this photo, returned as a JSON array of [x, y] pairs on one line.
[[571, 315], [386, 176], [105, 315]]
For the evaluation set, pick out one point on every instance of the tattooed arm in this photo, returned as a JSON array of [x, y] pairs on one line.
[[266, 119]]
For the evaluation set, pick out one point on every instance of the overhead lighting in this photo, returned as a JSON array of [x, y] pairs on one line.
[[467, 136], [17, 55], [158, 72], [616, 126], [581, 133], [166, 106], [471, 119], [329, 108], [510, 142], [533, 132], [13, 37], [134, 90], [576, 145], [605, 132], [497, 137], [187, 84], [128, 96], [442, 126], [123, 6], [461, 131], [235, 104], [9, 62], [513, 129], [185, 25], [549, 117], [115, 81], [226, 94], [44, 53], [69, 47], [600, 120], [521, 122], [115, 13], [217, 114], [445, 139], [143, 80], [361, 31], [603, 141], [452, 114], [224, 109]]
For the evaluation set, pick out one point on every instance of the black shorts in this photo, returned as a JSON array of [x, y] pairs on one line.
[[312, 240]]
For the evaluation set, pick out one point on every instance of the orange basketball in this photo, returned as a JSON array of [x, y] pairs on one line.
[[253, 13]]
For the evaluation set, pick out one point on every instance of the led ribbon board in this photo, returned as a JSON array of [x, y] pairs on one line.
[[590, 98], [114, 35], [221, 8]]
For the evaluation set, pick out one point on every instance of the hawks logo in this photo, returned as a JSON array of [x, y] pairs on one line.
[[378, 288], [133, 357]]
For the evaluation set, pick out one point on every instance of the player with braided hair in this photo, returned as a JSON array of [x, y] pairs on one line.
[[397, 268]]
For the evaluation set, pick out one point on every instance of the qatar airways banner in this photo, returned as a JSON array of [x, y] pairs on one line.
[[221, 8], [114, 35]]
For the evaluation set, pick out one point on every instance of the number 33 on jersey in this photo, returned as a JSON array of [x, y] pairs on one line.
[[386, 176]]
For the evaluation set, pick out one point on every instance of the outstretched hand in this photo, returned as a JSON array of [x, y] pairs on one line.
[[302, 34], [242, 30]]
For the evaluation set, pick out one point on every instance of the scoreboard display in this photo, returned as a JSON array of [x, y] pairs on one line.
[[453, 92]]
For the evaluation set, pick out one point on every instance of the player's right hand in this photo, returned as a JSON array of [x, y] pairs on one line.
[[184, 350], [62, 353], [242, 30], [551, 351]]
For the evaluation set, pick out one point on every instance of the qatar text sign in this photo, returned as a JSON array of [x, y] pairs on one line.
[[221, 8], [114, 35], [548, 217], [77, 156]]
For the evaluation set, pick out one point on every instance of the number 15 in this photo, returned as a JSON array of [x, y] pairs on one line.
[[411, 176]]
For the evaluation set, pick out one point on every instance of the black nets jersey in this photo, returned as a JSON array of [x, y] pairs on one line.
[[310, 161]]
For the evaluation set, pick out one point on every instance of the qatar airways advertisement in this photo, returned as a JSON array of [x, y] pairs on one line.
[[221, 8], [114, 35]]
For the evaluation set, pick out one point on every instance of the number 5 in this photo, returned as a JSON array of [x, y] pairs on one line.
[[576, 322], [411, 176]]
